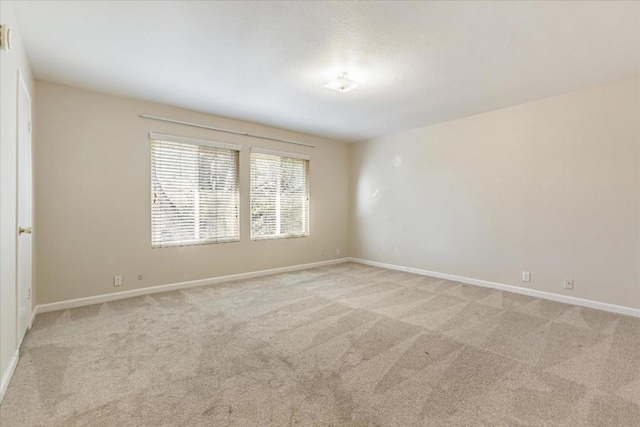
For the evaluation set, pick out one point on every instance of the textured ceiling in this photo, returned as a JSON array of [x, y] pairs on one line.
[[266, 62]]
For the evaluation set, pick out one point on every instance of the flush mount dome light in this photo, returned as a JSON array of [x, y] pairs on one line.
[[342, 83]]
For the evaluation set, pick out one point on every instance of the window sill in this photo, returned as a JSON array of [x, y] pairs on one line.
[[195, 243], [279, 237]]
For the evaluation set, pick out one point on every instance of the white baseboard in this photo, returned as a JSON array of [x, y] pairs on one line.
[[7, 374], [79, 302], [619, 309]]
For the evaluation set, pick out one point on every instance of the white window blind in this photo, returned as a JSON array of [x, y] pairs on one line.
[[279, 195], [194, 191]]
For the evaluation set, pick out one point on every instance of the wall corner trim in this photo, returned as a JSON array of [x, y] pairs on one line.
[[34, 313], [98, 299], [6, 375], [628, 311]]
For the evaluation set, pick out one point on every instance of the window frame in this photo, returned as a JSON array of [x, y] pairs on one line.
[[282, 154], [158, 137]]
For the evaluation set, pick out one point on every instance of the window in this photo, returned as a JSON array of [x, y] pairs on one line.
[[279, 194], [194, 191]]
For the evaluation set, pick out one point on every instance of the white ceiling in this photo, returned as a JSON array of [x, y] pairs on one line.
[[266, 62]]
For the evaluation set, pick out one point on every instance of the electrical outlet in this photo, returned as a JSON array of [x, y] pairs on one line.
[[117, 280], [568, 283], [337, 251], [526, 277]]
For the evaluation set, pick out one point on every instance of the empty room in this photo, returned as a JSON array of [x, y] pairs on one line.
[[320, 213]]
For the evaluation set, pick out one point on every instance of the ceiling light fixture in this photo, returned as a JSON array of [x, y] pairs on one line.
[[342, 83]]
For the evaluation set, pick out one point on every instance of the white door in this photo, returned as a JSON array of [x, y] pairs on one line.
[[24, 209]]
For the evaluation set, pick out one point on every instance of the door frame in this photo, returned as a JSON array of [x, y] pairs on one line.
[[23, 89]]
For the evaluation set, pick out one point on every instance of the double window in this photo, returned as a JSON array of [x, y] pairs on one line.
[[196, 197]]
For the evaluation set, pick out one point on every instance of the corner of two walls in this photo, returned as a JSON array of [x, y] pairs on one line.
[[551, 187]]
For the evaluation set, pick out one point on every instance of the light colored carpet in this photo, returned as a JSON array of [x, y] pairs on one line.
[[345, 345]]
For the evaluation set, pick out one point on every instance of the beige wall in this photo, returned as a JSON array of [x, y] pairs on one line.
[[93, 191], [11, 63], [551, 187]]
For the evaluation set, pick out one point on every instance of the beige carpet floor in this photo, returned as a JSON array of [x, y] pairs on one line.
[[348, 345]]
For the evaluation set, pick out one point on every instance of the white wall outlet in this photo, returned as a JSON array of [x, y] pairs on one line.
[[568, 283], [117, 280], [337, 251], [526, 277]]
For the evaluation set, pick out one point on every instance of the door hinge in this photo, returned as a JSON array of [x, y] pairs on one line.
[[29, 293], [29, 127]]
